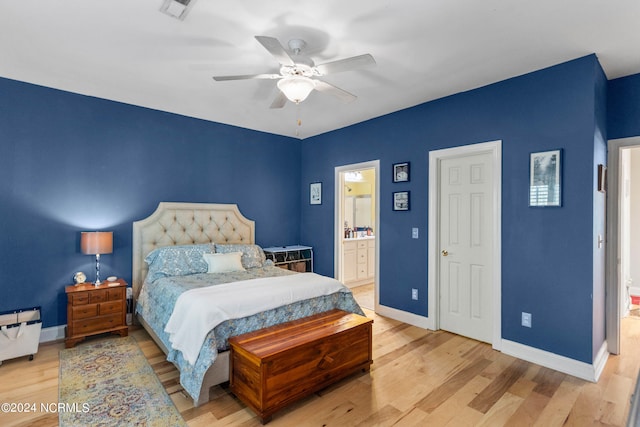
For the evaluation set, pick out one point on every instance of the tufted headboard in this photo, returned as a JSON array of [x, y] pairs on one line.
[[185, 224]]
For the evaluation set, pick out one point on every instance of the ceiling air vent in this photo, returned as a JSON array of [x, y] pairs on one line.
[[177, 8]]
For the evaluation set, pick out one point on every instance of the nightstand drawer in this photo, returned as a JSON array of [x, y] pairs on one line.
[[80, 299], [97, 323], [111, 307], [115, 294], [84, 311], [97, 296]]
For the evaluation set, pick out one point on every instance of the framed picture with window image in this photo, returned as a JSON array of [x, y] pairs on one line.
[[545, 179], [401, 172]]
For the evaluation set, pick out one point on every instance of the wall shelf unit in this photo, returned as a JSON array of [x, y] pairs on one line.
[[295, 257]]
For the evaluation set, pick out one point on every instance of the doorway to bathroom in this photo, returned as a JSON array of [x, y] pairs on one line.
[[357, 214], [623, 236]]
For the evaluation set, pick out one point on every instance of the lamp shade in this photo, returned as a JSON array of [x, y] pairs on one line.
[[96, 242], [296, 88]]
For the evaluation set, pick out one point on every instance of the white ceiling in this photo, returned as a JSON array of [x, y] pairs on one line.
[[127, 51]]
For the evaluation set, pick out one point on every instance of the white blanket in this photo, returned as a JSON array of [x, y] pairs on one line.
[[198, 311]]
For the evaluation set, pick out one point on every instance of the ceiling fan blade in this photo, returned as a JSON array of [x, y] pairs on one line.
[[276, 49], [341, 94], [279, 101], [346, 64], [247, 77]]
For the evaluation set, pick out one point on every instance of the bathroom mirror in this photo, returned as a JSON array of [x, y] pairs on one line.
[[357, 211]]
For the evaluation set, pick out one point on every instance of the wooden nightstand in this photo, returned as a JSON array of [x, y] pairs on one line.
[[95, 310]]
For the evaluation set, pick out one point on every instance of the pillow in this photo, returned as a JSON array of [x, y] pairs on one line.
[[178, 260], [252, 255], [224, 263]]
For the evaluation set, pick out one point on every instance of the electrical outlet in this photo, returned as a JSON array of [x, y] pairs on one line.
[[526, 319], [414, 294], [414, 233]]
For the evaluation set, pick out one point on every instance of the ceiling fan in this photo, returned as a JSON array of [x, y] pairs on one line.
[[298, 73]]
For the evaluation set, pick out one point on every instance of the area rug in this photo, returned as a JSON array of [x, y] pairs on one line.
[[110, 383]]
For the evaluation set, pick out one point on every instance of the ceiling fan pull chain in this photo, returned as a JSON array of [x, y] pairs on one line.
[[298, 119]]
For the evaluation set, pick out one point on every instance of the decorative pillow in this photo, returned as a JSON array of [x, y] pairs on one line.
[[224, 263], [177, 260], [252, 255]]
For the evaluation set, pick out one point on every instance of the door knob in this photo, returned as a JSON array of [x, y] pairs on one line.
[[445, 252]]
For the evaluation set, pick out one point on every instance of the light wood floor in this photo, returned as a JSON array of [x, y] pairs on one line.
[[365, 295], [418, 378]]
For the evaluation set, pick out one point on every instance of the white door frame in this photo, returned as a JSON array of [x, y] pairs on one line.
[[338, 232], [612, 283], [494, 148]]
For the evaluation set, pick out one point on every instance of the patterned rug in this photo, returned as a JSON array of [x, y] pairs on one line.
[[110, 383]]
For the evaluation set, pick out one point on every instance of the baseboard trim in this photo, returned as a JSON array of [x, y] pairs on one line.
[[601, 360], [403, 316], [582, 370], [54, 333]]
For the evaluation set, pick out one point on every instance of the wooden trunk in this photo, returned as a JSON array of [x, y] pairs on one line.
[[274, 367]]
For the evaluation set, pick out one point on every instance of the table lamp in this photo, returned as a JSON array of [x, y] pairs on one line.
[[96, 243]]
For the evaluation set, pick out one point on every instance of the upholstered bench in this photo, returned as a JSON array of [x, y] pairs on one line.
[[276, 366]]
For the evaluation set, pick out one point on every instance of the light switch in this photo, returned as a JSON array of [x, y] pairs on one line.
[[414, 233]]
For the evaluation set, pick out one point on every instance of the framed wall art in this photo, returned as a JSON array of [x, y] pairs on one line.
[[315, 193], [545, 179], [401, 201], [401, 172], [602, 178]]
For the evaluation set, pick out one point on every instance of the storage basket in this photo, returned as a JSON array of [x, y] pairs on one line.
[[299, 266], [19, 333]]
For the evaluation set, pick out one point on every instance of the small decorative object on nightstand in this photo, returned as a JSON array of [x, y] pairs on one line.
[[79, 278], [93, 310], [296, 257]]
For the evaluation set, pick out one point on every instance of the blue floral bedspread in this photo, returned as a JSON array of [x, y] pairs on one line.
[[157, 299]]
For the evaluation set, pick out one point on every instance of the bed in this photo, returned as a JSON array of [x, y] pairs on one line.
[[174, 250]]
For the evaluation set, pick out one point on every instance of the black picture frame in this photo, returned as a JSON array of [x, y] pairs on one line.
[[315, 193], [602, 178], [401, 172], [401, 200], [545, 179]]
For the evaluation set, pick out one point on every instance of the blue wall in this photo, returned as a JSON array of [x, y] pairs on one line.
[[70, 163], [547, 253], [623, 107]]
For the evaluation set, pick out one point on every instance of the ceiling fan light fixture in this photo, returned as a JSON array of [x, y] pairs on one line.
[[296, 88]]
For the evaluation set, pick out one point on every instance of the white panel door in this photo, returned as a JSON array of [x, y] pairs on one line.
[[466, 194]]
